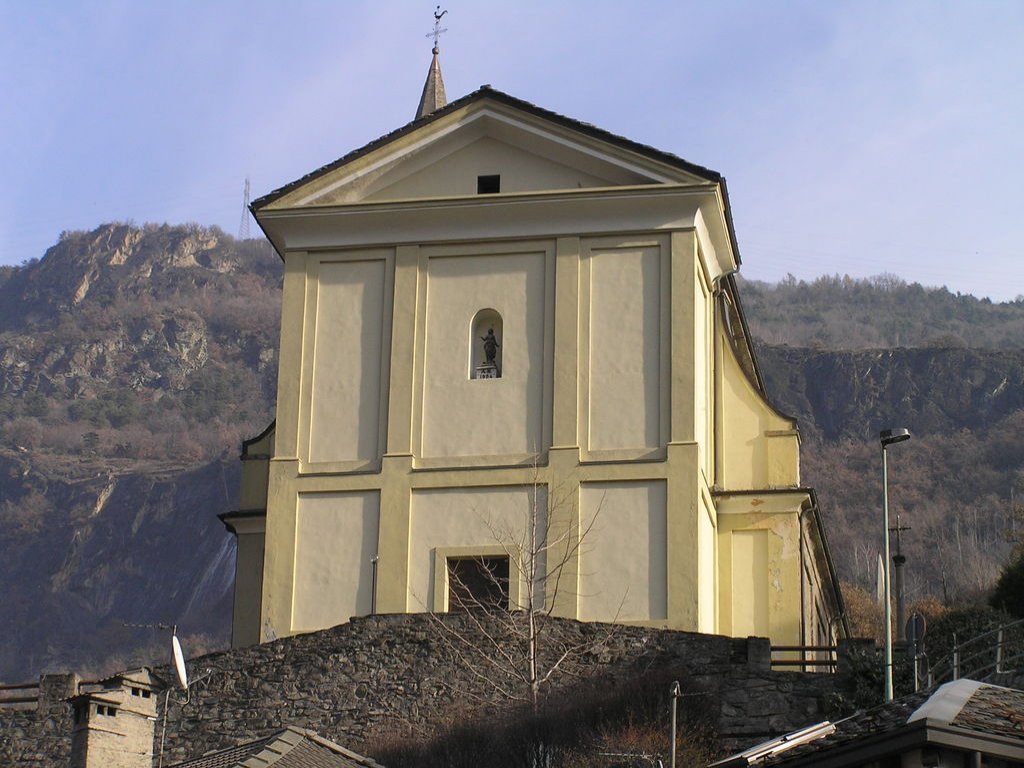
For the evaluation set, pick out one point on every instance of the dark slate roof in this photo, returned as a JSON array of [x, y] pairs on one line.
[[990, 710], [486, 92], [290, 748], [994, 710], [881, 719], [226, 758]]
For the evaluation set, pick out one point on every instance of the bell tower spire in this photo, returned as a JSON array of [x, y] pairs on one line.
[[433, 97]]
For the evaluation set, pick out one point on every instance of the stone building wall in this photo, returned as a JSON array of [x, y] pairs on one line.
[[39, 734]]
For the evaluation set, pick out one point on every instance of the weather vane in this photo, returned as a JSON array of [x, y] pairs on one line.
[[438, 13]]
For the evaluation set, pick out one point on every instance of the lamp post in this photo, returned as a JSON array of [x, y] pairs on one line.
[[675, 694], [887, 437]]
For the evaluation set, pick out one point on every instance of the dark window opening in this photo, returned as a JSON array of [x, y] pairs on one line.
[[488, 185], [478, 583]]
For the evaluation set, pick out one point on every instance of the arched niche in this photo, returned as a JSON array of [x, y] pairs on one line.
[[485, 323]]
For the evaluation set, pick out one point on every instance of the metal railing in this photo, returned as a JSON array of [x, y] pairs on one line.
[[996, 652], [825, 658]]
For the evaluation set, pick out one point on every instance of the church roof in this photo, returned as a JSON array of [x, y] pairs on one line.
[[291, 748], [433, 97], [486, 92]]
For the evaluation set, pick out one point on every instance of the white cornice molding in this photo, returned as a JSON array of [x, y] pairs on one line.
[[646, 208]]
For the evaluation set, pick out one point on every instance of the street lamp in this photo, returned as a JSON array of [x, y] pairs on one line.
[[887, 437], [675, 693]]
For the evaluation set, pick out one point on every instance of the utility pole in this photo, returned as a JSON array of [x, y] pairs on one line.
[[899, 560]]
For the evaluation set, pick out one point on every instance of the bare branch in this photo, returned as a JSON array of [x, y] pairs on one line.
[[512, 652]]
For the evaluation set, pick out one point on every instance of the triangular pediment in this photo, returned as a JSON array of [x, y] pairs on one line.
[[457, 173], [486, 134]]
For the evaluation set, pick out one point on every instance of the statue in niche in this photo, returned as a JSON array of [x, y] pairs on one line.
[[490, 346]]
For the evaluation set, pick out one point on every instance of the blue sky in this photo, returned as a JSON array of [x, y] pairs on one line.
[[857, 137]]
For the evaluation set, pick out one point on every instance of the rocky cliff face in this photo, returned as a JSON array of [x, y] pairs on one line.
[[85, 556], [952, 483], [119, 259], [142, 309], [851, 395], [132, 362]]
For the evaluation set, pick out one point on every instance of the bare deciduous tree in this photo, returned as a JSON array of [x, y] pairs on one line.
[[504, 639]]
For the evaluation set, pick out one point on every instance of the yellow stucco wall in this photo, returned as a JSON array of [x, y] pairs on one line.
[[624, 365], [336, 538], [707, 559], [250, 543], [464, 521], [621, 402], [346, 357], [504, 417], [627, 526], [760, 555], [495, 434], [763, 447]]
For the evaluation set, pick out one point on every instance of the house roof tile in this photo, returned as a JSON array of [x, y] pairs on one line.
[[289, 748]]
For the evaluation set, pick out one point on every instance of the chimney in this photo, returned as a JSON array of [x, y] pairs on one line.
[[114, 722]]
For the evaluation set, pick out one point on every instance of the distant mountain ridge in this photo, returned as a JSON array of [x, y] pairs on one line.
[[840, 313], [133, 361], [136, 335]]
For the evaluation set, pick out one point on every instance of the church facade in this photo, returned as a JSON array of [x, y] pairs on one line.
[[514, 368]]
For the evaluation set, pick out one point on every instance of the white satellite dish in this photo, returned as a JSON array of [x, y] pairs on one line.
[[179, 662]]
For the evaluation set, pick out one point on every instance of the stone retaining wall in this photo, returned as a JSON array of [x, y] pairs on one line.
[[392, 676], [399, 674]]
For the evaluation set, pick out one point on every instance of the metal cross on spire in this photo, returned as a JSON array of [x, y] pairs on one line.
[[438, 13]]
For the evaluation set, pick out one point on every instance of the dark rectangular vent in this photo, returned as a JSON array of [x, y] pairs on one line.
[[488, 185]]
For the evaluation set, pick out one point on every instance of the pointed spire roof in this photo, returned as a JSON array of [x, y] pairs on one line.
[[433, 97]]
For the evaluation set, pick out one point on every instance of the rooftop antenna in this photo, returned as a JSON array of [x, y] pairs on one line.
[[178, 656], [179, 660], [243, 225]]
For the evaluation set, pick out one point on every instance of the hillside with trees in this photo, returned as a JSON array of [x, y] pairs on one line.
[[134, 360], [849, 358], [156, 343], [882, 312]]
